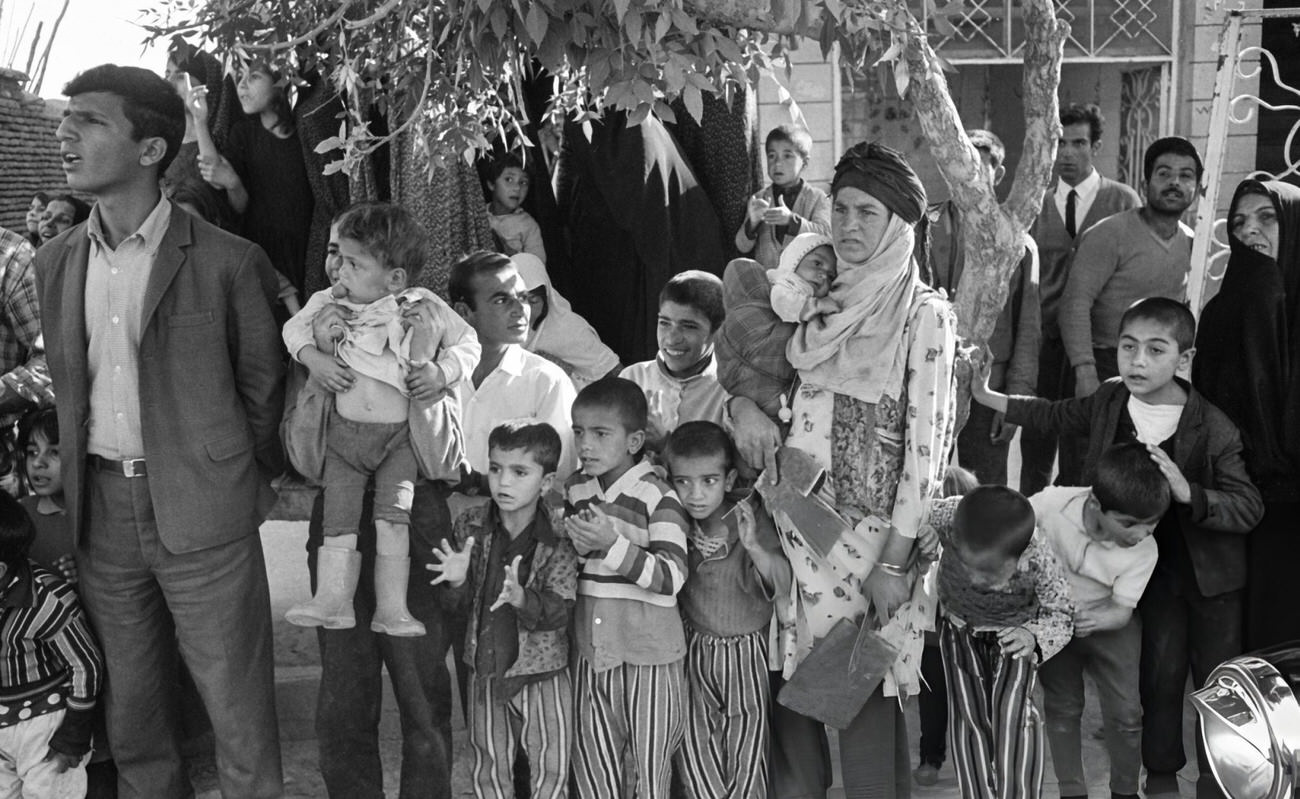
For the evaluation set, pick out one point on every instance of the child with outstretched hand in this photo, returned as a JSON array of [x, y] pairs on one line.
[[1193, 601], [519, 589]]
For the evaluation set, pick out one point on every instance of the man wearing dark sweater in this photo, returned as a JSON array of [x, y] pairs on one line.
[[1081, 198]]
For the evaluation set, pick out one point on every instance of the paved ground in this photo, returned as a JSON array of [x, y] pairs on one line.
[[298, 671]]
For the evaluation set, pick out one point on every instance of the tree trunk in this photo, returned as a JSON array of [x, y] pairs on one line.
[[995, 234]]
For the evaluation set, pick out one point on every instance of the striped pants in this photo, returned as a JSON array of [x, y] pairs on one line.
[[724, 755], [539, 717], [995, 731], [632, 711]]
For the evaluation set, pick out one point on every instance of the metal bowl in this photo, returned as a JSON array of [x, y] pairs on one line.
[[1250, 723]]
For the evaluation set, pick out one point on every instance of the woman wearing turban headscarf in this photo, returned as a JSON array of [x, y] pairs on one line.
[[1248, 364], [875, 409]]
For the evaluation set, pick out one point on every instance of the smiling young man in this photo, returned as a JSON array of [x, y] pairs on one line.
[[159, 334], [1145, 252], [681, 383]]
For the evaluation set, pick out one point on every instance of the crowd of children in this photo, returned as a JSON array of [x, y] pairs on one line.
[[622, 619]]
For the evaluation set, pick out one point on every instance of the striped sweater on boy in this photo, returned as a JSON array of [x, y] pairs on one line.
[[647, 562]]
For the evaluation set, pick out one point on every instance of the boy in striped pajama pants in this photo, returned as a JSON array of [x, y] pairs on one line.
[[1005, 608], [630, 529], [521, 577], [727, 605]]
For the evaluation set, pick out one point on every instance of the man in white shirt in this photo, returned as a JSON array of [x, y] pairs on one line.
[[509, 382]]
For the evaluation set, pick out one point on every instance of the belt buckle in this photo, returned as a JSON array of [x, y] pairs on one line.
[[128, 467]]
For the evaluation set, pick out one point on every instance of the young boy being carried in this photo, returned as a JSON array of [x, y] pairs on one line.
[[1192, 606], [373, 341], [681, 383], [727, 607], [1102, 537], [53, 671], [522, 582], [1005, 609], [630, 529], [788, 206]]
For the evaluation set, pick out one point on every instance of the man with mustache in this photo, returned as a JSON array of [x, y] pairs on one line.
[[1144, 252]]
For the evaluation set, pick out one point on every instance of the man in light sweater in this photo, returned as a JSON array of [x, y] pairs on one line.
[[1145, 252], [1081, 198]]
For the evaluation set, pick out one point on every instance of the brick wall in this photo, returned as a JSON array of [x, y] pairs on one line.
[[29, 153]]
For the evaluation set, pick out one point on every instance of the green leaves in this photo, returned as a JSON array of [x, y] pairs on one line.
[[456, 67]]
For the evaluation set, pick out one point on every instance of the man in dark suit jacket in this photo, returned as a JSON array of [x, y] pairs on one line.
[[1079, 198], [167, 363]]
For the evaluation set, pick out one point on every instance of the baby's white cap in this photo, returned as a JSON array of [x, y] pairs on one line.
[[800, 246]]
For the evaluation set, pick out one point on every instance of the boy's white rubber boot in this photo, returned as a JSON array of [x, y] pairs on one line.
[[391, 616], [337, 571]]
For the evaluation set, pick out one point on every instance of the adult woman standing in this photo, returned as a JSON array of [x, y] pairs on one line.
[[1248, 364], [875, 409]]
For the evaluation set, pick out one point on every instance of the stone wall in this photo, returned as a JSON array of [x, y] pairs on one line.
[[29, 153]]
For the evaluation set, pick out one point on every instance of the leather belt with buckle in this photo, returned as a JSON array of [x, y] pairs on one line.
[[130, 467]]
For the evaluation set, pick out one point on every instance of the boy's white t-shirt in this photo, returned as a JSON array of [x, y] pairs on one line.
[[1097, 569], [1155, 424]]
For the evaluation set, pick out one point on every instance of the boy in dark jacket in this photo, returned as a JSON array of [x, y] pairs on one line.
[[522, 580], [1192, 607]]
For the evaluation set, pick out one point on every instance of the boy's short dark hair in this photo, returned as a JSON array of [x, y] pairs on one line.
[[988, 141], [697, 289], [1176, 145], [1129, 481], [390, 233], [43, 422], [538, 439], [16, 532], [700, 440], [149, 103], [796, 135], [460, 281], [994, 519], [1076, 113], [620, 395], [499, 165], [1174, 315]]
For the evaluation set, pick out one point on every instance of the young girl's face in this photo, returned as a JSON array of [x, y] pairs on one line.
[[509, 190], [332, 260], [43, 473], [818, 268], [256, 90], [34, 212], [701, 483]]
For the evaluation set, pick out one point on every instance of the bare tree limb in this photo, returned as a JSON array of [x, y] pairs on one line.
[[1044, 42]]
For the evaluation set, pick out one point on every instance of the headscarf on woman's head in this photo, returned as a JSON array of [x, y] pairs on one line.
[[885, 174], [563, 335], [859, 350], [1248, 343]]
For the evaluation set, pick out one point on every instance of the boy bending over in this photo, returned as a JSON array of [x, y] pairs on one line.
[[1005, 608], [1192, 606], [1102, 537]]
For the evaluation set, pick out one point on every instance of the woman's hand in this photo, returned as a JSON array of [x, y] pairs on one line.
[[218, 172], [196, 104], [757, 437], [887, 593]]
